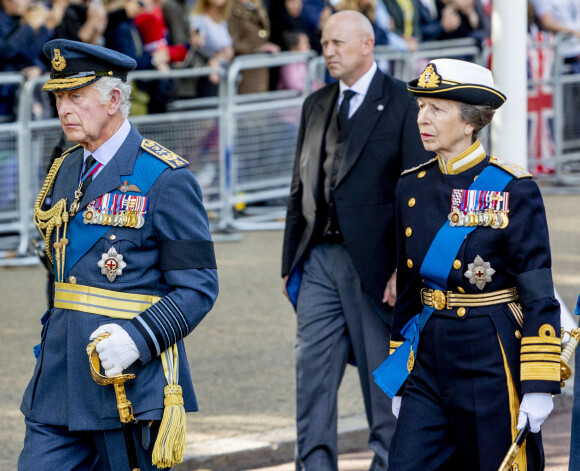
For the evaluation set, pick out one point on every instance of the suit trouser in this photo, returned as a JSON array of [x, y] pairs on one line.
[[455, 410], [52, 447], [336, 317]]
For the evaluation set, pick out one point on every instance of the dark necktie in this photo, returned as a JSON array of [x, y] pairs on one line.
[[87, 178], [342, 116]]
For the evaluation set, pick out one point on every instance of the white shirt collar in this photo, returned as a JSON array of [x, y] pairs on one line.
[[361, 86], [106, 151]]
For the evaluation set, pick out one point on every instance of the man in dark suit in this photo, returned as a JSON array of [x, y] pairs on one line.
[[339, 256]]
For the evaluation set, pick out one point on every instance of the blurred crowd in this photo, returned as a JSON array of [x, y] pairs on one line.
[[173, 34]]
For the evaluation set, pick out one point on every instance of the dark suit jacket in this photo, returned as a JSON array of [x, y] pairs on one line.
[[384, 140]]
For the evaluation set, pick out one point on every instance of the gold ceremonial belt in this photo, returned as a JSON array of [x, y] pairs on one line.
[[101, 301], [447, 299]]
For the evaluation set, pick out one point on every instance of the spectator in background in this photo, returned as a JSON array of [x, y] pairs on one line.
[[249, 26], [211, 39], [24, 28], [368, 9], [84, 21], [291, 19], [562, 16], [429, 23], [175, 16], [293, 76], [314, 13], [154, 34], [405, 20], [464, 19]]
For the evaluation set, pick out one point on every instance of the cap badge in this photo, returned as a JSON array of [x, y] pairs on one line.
[[58, 61], [429, 78]]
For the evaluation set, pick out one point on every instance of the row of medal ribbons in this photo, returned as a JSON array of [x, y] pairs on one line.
[[117, 210], [479, 208]]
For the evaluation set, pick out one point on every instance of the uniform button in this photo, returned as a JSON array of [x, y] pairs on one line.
[[518, 334], [422, 173], [262, 33], [72, 280], [408, 232], [412, 202], [112, 237], [461, 311], [457, 264], [410, 263]]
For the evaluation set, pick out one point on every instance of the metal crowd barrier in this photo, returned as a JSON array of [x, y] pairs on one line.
[[240, 147]]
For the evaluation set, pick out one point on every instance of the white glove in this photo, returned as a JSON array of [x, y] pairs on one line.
[[535, 407], [396, 406], [118, 351]]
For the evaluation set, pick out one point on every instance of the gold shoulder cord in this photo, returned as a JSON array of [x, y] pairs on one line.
[[55, 217]]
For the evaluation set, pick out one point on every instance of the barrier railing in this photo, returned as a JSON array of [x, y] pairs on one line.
[[240, 147]]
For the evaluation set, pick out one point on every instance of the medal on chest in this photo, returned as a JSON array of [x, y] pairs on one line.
[[120, 210], [479, 208]]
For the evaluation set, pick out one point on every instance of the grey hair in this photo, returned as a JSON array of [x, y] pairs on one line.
[[479, 116], [106, 85]]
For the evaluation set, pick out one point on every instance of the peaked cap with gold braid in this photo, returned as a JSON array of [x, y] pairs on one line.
[[75, 64]]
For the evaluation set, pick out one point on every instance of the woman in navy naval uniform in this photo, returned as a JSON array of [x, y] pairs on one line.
[[475, 341]]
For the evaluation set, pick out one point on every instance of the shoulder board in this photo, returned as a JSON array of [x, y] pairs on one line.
[[511, 168], [157, 150], [70, 151], [418, 167]]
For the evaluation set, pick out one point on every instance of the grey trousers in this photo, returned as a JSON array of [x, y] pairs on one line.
[[336, 319]]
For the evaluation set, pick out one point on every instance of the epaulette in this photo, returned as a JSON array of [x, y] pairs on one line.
[[420, 166], [157, 150], [511, 168], [70, 151]]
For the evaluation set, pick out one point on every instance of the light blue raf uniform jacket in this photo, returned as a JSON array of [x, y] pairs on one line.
[[171, 257]]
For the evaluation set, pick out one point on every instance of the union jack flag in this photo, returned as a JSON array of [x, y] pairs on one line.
[[541, 151]]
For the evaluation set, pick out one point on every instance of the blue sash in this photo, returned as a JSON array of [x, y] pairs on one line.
[[435, 269], [83, 236], [577, 310]]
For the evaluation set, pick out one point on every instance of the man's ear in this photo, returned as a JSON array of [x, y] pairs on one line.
[[115, 101], [368, 45]]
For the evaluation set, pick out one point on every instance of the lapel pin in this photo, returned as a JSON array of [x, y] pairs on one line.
[[381, 107]]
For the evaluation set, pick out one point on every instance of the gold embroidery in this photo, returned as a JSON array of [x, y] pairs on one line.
[[170, 158], [429, 78], [58, 61], [540, 371], [66, 83], [520, 460], [393, 346]]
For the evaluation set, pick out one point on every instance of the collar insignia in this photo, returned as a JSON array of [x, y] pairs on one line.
[[429, 78], [58, 61]]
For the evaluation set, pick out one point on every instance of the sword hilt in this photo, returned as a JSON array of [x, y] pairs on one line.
[[123, 404], [567, 351]]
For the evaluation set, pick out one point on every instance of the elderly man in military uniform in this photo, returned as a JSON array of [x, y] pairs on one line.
[[135, 271]]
